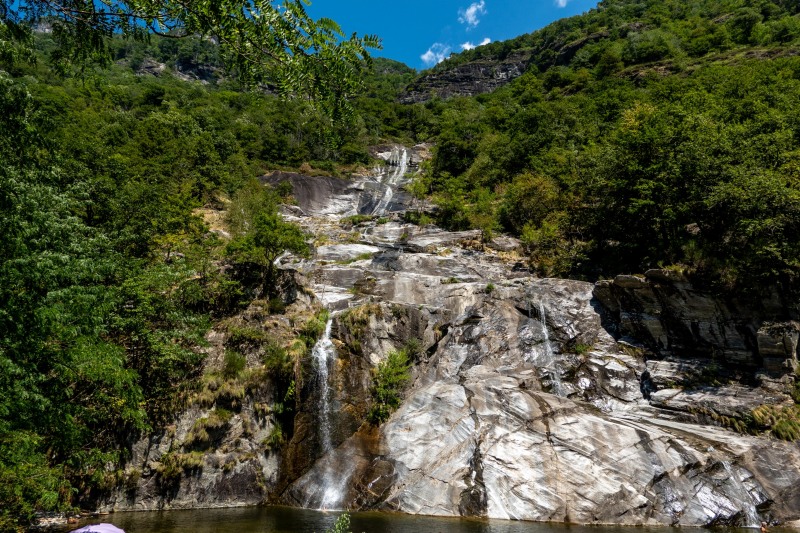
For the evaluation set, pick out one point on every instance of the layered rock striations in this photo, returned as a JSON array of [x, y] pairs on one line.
[[531, 399], [672, 317], [481, 432]]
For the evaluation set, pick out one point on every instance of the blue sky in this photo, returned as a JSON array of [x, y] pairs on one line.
[[421, 32]]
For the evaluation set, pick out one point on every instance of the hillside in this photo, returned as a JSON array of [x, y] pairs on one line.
[[617, 34], [642, 134], [117, 255], [146, 295]]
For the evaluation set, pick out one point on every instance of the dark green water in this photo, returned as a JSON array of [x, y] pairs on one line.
[[285, 520]]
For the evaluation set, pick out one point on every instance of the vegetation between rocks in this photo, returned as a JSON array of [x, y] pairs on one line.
[[389, 379], [647, 133]]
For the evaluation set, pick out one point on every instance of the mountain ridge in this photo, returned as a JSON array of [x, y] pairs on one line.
[[630, 32]]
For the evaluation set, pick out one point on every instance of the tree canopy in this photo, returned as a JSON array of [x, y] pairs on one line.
[[262, 41], [108, 277]]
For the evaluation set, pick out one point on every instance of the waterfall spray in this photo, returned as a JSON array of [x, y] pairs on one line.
[[332, 482], [323, 352], [544, 357]]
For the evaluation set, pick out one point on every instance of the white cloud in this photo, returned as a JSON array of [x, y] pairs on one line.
[[561, 3], [469, 46], [437, 53], [470, 16]]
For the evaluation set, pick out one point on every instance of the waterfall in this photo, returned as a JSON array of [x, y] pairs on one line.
[[544, 358], [400, 167], [741, 494], [331, 484], [323, 352]]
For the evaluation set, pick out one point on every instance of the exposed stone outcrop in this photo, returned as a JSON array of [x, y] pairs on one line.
[[468, 79], [490, 72], [184, 70], [481, 431], [218, 452], [533, 399], [524, 406], [163, 473], [664, 311]]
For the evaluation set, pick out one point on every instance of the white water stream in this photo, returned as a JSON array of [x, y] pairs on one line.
[[392, 180], [332, 483], [323, 353], [543, 355], [752, 519]]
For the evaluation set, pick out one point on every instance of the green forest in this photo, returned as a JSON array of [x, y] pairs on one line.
[[644, 134]]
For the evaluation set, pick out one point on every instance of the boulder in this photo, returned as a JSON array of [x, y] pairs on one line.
[[777, 345]]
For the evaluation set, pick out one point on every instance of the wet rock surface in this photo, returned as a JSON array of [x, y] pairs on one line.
[[524, 405], [534, 399]]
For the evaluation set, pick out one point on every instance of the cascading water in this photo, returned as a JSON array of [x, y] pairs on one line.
[[400, 164], [332, 483], [749, 509], [544, 357], [323, 352]]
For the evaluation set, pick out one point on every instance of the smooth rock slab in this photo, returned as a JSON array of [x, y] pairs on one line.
[[433, 240], [547, 458], [344, 252], [430, 449]]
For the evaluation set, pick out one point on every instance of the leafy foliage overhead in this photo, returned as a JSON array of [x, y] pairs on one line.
[[261, 40]]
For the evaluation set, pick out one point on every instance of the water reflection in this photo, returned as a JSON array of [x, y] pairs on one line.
[[289, 520]]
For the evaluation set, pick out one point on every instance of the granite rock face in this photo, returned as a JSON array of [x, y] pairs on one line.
[[532, 399], [161, 475], [217, 451], [468, 79], [664, 311], [500, 424], [491, 71], [524, 405]]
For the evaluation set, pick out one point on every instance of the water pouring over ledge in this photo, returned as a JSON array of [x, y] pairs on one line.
[[327, 487], [543, 355], [548, 358], [324, 353], [392, 180]]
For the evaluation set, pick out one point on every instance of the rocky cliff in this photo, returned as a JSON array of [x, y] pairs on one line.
[[497, 64], [468, 79], [534, 399], [674, 318]]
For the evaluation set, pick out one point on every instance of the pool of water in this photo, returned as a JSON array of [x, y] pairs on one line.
[[286, 520]]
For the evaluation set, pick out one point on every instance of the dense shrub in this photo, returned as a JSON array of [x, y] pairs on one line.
[[389, 379]]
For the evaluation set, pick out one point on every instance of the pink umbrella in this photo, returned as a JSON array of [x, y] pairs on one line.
[[98, 528]]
